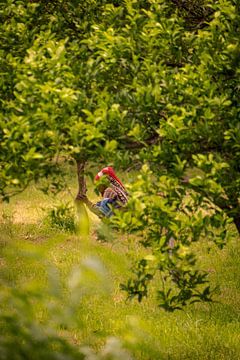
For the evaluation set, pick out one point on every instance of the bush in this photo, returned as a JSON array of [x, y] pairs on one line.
[[62, 217]]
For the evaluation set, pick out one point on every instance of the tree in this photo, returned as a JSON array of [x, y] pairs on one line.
[[153, 82]]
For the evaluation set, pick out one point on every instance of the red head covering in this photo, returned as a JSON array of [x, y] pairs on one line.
[[115, 183], [109, 172]]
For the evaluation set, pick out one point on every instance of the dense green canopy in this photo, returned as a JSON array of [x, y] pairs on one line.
[[152, 82]]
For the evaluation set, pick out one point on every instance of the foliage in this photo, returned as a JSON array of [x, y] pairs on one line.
[[131, 81], [62, 217], [177, 222]]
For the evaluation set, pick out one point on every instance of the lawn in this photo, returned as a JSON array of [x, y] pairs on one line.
[[73, 286]]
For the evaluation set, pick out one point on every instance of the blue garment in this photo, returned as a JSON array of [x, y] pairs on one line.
[[105, 206]]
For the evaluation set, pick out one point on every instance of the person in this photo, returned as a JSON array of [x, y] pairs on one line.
[[112, 190]]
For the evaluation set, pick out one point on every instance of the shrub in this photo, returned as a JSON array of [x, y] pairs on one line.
[[62, 217]]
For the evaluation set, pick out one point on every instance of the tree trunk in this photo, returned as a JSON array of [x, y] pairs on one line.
[[236, 221], [82, 215], [81, 181], [234, 213]]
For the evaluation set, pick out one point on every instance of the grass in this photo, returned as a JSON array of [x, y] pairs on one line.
[[34, 254]]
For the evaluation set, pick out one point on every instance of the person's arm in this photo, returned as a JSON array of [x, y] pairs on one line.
[[109, 193], [92, 207]]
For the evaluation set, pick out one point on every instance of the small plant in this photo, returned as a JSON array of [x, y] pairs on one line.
[[62, 217]]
